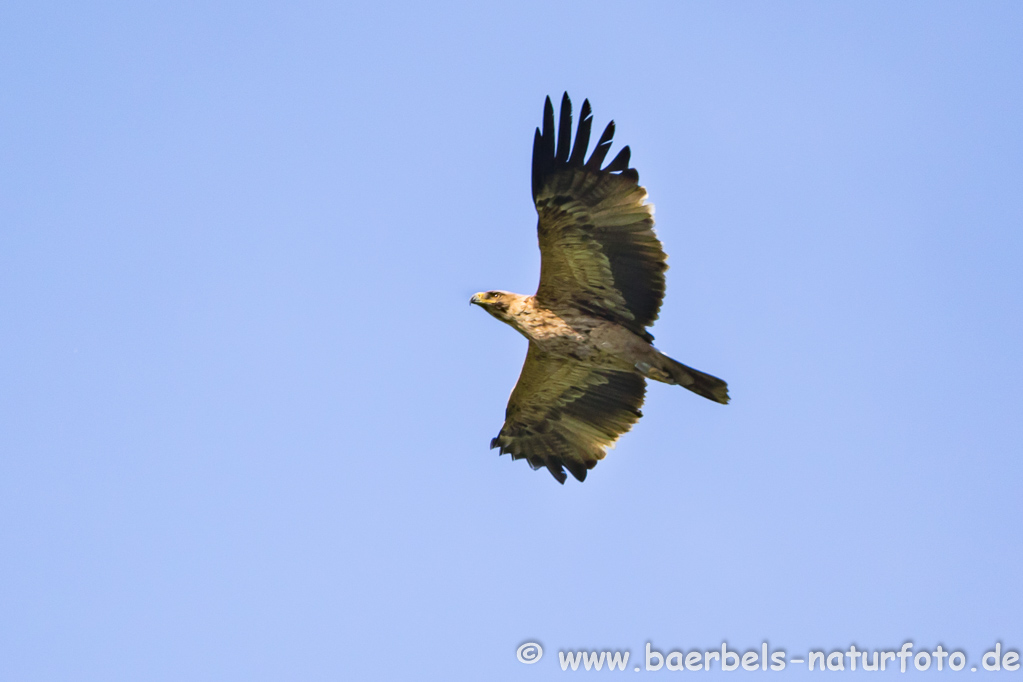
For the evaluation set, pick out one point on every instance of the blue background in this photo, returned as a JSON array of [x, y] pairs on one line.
[[245, 407]]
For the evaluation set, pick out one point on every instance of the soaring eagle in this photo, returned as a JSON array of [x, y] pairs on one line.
[[601, 285]]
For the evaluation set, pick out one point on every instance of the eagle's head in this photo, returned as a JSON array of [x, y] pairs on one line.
[[503, 305], [492, 301]]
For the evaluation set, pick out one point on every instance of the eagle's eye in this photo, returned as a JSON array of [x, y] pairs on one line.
[[493, 294]]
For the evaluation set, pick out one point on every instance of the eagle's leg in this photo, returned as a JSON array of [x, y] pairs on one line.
[[651, 372]]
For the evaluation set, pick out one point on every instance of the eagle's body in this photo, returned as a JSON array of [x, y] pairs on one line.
[[601, 285], [574, 336]]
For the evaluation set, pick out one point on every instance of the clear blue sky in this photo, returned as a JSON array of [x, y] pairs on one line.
[[245, 407]]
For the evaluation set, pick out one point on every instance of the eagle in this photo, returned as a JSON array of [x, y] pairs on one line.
[[601, 285]]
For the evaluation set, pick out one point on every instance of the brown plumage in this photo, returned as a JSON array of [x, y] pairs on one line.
[[601, 284]]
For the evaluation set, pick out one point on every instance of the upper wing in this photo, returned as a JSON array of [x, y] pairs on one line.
[[562, 414], [598, 249]]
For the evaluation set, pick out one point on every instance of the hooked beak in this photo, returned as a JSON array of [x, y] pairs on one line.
[[475, 299]]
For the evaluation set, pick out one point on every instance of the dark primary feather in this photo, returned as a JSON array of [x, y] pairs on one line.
[[602, 148], [598, 248], [620, 162], [582, 135], [548, 158], [565, 131]]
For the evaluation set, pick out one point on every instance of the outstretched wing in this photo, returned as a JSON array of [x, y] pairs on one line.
[[598, 250], [563, 415]]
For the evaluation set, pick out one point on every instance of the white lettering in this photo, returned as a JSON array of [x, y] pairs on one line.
[[905, 652], [997, 655], [650, 653]]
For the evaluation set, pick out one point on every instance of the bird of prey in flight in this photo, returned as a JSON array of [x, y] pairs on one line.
[[601, 285]]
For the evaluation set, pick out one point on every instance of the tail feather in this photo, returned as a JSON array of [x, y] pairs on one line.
[[710, 387]]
